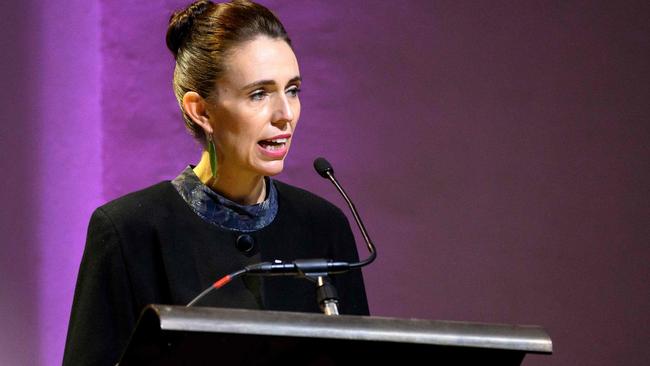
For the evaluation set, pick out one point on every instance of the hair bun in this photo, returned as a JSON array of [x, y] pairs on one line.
[[181, 22]]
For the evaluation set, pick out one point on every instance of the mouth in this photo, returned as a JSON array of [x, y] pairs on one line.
[[275, 147], [273, 144]]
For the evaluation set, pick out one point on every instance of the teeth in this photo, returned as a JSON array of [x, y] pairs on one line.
[[279, 141]]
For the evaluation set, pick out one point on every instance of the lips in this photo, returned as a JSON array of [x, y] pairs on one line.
[[273, 144], [275, 147]]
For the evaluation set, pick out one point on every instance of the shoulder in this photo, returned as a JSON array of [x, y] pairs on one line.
[[305, 203], [140, 206], [140, 199], [292, 193]]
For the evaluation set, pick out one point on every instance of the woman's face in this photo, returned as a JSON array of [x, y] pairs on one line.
[[256, 107]]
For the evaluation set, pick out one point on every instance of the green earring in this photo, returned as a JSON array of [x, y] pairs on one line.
[[212, 152]]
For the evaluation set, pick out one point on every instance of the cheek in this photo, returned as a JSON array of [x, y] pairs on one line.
[[237, 127]]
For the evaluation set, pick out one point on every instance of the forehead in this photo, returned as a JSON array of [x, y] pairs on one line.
[[262, 58]]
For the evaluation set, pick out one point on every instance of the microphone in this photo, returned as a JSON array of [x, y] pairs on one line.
[[324, 266], [323, 167], [325, 170], [319, 268], [299, 267]]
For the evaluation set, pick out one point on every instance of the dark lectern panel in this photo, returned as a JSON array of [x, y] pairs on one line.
[[201, 336], [236, 349]]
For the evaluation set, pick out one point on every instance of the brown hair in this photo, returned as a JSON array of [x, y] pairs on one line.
[[201, 36]]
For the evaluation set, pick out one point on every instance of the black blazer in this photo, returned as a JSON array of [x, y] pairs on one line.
[[150, 247]]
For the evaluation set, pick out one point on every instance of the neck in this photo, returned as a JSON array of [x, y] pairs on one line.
[[245, 189]]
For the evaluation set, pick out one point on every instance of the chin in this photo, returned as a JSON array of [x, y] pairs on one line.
[[271, 168]]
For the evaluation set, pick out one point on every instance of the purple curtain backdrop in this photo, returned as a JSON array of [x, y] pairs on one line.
[[19, 265], [498, 151]]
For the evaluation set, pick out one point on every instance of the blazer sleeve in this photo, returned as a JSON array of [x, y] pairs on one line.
[[103, 315], [350, 286]]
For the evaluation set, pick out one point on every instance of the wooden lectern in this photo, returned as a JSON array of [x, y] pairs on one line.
[[176, 335]]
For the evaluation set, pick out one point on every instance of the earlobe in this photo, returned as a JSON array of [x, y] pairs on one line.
[[195, 107]]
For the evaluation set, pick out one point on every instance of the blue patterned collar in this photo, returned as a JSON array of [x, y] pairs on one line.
[[222, 212]]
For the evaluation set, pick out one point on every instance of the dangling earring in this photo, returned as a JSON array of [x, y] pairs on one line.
[[212, 152]]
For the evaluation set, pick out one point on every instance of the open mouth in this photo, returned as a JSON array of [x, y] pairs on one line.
[[274, 144]]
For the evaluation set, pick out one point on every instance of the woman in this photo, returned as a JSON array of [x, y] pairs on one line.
[[237, 82]]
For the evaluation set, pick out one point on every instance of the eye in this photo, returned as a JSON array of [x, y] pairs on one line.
[[258, 95], [294, 91]]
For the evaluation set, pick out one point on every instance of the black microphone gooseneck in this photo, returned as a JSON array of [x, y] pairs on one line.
[[316, 270], [325, 169]]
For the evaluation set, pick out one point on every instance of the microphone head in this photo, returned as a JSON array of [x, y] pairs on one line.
[[322, 167]]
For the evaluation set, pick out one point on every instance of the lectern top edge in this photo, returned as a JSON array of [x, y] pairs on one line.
[[532, 339]]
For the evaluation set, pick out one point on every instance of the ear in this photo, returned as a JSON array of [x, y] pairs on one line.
[[195, 107]]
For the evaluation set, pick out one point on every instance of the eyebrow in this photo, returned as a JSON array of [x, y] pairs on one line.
[[269, 82]]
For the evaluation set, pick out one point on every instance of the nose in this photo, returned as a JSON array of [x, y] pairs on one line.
[[283, 112]]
